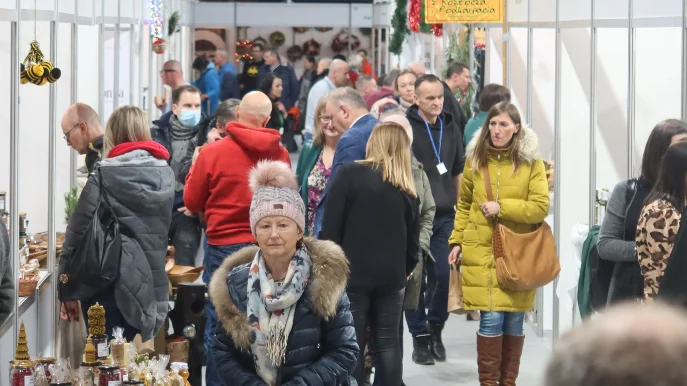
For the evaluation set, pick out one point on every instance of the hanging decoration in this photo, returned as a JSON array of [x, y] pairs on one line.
[[156, 21], [243, 50], [341, 41], [300, 30], [260, 40], [416, 20], [399, 23], [277, 39], [324, 29], [311, 47], [173, 24], [294, 53], [159, 46], [34, 69]]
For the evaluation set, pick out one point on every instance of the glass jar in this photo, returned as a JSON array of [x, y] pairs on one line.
[[182, 370], [47, 364], [89, 373], [22, 373], [132, 383], [102, 351], [110, 376]]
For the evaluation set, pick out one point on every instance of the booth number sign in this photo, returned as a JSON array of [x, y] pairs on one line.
[[463, 11]]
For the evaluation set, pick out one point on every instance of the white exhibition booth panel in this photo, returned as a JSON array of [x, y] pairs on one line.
[[574, 67], [85, 54]]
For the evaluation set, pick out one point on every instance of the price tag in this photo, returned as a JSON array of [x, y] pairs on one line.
[[114, 383], [102, 350], [29, 381]]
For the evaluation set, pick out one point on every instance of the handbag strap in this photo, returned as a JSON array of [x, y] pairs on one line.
[[487, 183]]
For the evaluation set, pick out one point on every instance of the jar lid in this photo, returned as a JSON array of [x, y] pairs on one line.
[[109, 368], [91, 364], [21, 364], [132, 382], [61, 384], [45, 360]]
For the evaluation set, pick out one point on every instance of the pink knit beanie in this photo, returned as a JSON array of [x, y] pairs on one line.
[[275, 193]]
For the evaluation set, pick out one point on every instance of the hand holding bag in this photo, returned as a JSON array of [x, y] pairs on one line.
[[96, 260], [524, 261]]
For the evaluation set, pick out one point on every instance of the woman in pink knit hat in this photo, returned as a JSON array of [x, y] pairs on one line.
[[282, 306]]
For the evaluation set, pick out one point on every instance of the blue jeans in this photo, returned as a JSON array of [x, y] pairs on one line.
[[214, 256], [495, 323], [438, 308]]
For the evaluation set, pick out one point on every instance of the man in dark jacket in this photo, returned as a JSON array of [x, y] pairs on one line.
[[438, 145], [350, 117], [457, 78], [6, 275], [178, 131], [249, 76], [290, 86], [83, 132]]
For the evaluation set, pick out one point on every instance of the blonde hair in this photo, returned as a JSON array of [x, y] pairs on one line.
[[388, 150], [480, 157], [318, 137], [126, 124]]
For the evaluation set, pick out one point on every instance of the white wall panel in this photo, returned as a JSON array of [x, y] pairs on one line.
[[86, 7], [611, 9], [575, 132], [495, 56], [653, 8], [575, 9], [543, 88], [64, 96], [518, 70], [67, 6], [33, 136], [543, 10], [8, 4], [41, 5], [517, 10], [657, 89], [5, 104], [611, 132]]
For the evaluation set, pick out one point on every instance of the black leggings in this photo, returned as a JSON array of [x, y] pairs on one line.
[[380, 308]]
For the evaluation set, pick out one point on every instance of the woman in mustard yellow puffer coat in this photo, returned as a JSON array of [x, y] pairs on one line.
[[510, 151]]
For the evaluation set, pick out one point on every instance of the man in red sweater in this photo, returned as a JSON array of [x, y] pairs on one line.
[[218, 184]]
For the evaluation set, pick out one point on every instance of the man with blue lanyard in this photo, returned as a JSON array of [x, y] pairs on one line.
[[438, 145]]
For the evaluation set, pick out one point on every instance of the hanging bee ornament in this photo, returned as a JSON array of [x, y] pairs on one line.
[[35, 69]]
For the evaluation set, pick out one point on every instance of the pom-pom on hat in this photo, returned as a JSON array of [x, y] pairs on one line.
[[275, 193]]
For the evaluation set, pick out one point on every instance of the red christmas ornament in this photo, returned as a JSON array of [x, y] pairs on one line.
[[159, 46], [414, 15]]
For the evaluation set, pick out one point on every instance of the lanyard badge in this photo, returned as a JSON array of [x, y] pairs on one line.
[[441, 168]]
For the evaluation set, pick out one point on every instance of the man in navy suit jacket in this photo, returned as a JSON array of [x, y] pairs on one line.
[[349, 115]]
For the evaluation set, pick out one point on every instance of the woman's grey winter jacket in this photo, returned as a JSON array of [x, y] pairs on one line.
[[140, 189], [427, 210]]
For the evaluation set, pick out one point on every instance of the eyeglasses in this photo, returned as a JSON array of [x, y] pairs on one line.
[[166, 70], [66, 135], [325, 118]]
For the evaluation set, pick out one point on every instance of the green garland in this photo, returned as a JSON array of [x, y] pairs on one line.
[[399, 22]]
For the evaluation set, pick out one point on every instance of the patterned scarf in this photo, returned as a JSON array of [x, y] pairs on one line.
[[271, 307]]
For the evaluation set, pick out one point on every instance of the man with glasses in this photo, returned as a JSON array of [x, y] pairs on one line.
[[173, 77], [83, 132], [251, 68]]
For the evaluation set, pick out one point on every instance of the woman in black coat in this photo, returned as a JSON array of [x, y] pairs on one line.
[[372, 212], [272, 86], [282, 306]]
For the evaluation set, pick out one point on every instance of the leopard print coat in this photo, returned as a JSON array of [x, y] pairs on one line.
[[658, 225]]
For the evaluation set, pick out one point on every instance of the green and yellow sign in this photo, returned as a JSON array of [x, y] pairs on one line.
[[463, 11]]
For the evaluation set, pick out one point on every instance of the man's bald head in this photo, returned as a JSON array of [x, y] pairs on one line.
[[172, 74], [255, 109], [639, 345], [338, 72], [417, 67], [81, 126]]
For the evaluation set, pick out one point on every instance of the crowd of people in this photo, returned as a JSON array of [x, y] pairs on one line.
[[311, 272]]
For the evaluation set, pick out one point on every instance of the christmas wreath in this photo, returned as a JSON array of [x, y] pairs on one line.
[[341, 41], [311, 47], [300, 30], [277, 39], [324, 29], [260, 40], [294, 53]]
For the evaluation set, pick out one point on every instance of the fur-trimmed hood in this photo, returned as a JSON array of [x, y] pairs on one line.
[[328, 280], [529, 146]]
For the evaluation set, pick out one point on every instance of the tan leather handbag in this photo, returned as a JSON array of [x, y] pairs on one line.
[[524, 261]]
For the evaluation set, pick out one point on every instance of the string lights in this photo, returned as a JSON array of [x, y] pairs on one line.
[[243, 50], [156, 20]]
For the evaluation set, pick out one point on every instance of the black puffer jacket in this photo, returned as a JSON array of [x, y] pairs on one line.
[[140, 189], [322, 348]]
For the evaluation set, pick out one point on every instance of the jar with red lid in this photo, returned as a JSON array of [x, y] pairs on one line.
[[22, 373], [110, 376]]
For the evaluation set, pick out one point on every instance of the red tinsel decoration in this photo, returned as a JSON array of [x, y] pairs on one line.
[[414, 15], [437, 30]]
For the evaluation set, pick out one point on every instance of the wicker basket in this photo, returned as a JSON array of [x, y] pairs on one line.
[[27, 285]]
